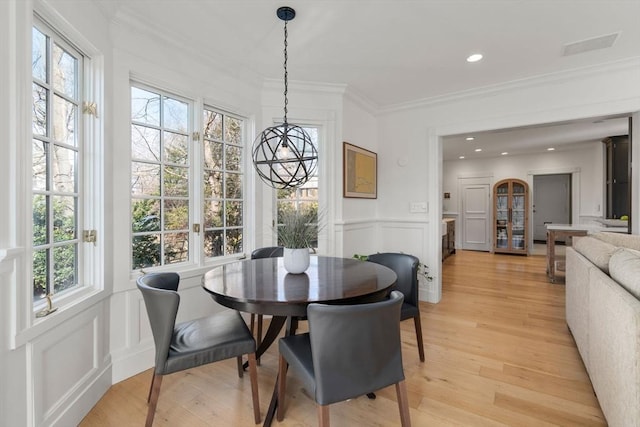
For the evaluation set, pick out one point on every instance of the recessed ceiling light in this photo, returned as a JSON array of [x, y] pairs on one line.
[[474, 58], [461, 157], [504, 153], [478, 150], [551, 149], [469, 138]]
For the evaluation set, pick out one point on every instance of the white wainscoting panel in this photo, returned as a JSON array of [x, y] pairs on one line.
[[411, 236], [358, 237], [404, 236], [65, 363], [133, 348]]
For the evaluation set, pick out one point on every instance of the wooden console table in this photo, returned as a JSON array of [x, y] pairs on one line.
[[557, 231]]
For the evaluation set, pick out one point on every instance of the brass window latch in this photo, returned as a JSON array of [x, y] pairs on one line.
[[48, 309], [90, 236]]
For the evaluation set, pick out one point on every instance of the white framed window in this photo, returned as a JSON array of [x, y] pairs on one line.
[[178, 176], [57, 153], [160, 175], [304, 197], [223, 178]]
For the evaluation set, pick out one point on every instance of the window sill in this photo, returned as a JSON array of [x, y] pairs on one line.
[[82, 300], [190, 270], [9, 254]]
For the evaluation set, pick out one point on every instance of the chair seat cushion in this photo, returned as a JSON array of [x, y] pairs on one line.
[[296, 349], [209, 339]]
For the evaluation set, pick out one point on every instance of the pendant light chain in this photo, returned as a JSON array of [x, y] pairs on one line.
[[286, 74], [284, 155]]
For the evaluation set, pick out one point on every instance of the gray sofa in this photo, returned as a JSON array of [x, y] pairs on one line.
[[603, 314]]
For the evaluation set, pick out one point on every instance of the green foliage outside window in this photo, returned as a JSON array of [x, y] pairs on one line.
[[146, 247], [64, 255]]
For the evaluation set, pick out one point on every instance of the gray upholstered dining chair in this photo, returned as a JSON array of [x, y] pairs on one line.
[[406, 268], [185, 345], [266, 252], [350, 350]]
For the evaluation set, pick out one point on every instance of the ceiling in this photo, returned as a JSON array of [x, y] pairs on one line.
[[390, 52]]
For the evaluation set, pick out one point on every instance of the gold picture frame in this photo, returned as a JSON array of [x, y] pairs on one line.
[[359, 172]]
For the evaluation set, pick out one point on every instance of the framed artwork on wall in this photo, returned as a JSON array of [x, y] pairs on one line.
[[360, 172]]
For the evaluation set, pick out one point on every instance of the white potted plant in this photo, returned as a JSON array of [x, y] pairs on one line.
[[297, 231]]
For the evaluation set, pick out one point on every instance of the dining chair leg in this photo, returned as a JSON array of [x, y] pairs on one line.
[[153, 400], [282, 387], [418, 324], [403, 403], [323, 415], [253, 375], [240, 368], [153, 377]]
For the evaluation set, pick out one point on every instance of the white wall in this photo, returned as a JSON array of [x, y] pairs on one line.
[[51, 370], [110, 337], [418, 127], [7, 198], [356, 218], [585, 163], [588, 159], [167, 65]]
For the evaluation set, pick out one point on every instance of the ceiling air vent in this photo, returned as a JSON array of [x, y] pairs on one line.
[[600, 42]]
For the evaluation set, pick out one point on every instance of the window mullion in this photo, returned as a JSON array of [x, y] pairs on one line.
[[50, 151]]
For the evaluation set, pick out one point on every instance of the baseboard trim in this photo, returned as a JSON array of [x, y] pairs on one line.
[[428, 295], [85, 400], [130, 362]]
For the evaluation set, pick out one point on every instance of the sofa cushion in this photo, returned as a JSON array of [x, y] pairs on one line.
[[631, 241], [624, 268], [595, 250]]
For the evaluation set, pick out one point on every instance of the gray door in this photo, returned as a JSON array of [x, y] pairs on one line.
[[551, 202]]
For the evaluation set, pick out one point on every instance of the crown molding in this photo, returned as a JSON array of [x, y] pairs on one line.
[[362, 101], [632, 63], [304, 86], [139, 24]]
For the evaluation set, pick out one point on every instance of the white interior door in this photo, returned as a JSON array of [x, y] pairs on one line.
[[476, 217], [551, 202]]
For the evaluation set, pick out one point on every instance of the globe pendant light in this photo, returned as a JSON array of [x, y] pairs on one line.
[[284, 155]]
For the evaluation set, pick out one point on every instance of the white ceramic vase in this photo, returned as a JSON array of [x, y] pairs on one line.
[[296, 261]]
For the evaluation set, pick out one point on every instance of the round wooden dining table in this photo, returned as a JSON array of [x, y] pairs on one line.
[[263, 286]]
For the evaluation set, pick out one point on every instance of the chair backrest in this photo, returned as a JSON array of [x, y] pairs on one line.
[[355, 348], [161, 298], [406, 268], [268, 252]]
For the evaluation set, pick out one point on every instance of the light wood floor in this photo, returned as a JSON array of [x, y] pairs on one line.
[[498, 352]]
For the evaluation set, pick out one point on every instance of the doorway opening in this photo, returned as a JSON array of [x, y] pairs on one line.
[[551, 203]]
